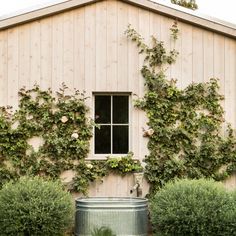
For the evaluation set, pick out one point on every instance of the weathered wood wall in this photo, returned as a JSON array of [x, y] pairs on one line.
[[86, 48]]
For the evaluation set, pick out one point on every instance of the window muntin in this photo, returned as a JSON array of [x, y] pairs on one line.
[[112, 116]]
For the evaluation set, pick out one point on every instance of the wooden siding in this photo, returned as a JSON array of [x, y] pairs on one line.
[[163, 8], [86, 48]]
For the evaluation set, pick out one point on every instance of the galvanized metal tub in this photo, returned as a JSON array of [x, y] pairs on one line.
[[124, 216]]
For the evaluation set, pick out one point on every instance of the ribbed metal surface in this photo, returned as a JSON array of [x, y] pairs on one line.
[[125, 216]]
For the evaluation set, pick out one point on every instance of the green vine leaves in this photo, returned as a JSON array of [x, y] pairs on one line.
[[50, 134], [186, 140], [155, 56], [60, 126], [191, 4]]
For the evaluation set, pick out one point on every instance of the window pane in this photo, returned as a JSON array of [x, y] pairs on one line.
[[102, 109], [120, 139], [120, 109], [103, 139]]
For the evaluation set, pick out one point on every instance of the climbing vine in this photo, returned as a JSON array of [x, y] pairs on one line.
[[60, 128], [97, 169], [191, 4], [185, 134], [186, 124]]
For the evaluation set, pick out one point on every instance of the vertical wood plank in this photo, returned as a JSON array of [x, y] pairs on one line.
[[230, 182], [3, 68], [79, 52], [133, 55], [24, 56], [198, 69], [176, 68], [166, 23], [101, 46], [187, 56], [219, 65], [68, 47], [57, 52], [120, 186], [219, 59], [90, 59], [12, 60], [227, 82], [112, 46], [35, 61], [208, 51], [133, 79], [90, 53], [155, 25], [233, 80], [46, 53], [122, 51], [230, 83], [144, 30]]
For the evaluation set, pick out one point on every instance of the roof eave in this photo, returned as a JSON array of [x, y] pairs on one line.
[[174, 12], [34, 14], [188, 16]]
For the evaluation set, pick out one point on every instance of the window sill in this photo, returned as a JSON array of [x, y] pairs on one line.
[[105, 156]]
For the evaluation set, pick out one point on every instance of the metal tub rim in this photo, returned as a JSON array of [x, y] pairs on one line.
[[111, 202]]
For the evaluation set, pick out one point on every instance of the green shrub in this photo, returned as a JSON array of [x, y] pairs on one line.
[[193, 207], [102, 231], [34, 207], [228, 217]]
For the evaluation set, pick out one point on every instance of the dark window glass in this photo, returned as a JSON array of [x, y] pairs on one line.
[[103, 139], [120, 109], [102, 109], [120, 139]]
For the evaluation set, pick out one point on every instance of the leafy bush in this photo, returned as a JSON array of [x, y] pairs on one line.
[[102, 231], [33, 206], [123, 165], [194, 207], [228, 217]]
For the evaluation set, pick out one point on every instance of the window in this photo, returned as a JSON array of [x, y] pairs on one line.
[[112, 116]]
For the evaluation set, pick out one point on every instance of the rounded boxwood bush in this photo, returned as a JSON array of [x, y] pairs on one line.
[[228, 217], [193, 207], [33, 206]]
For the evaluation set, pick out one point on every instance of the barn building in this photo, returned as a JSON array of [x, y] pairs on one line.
[[82, 43]]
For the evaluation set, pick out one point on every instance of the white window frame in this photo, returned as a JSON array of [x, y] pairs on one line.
[[111, 94]]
